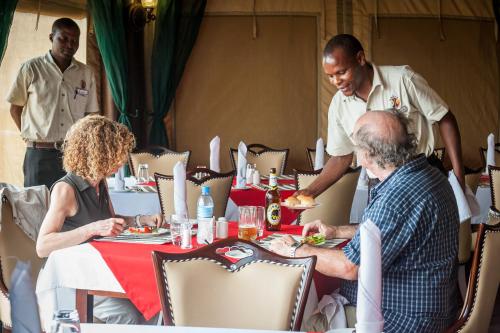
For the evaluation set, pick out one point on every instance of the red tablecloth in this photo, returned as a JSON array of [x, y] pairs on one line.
[[132, 266], [257, 197]]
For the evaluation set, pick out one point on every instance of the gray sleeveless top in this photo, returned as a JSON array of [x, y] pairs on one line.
[[91, 207]]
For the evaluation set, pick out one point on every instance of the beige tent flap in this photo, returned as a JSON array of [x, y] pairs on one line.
[[261, 90], [64, 8], [462, 69]]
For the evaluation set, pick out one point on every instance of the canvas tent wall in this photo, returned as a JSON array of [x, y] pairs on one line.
[[255, 71]]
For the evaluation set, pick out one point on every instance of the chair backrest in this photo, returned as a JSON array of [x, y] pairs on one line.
[[260, 291], [311, 156], [335, 202], [158, 159], [482, 152], [263, 157], [483, 283], [14, 244], [220, 188], [465, 233], [440, 153], [494, 173]]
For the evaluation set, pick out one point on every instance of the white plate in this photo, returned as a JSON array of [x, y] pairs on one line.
[[243, 188], [159, 232], [121, 191], [284, 204], [239, 254]]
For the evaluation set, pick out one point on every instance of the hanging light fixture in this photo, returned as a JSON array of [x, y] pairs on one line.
[[142, 12], [149, 6]]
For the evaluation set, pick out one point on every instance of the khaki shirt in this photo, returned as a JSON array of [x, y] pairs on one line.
[[52, 100], [394, 87]]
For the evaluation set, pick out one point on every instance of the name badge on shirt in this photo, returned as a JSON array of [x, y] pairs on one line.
[[81, 92]]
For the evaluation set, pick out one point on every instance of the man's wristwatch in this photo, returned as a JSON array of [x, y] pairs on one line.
[[294, 247]]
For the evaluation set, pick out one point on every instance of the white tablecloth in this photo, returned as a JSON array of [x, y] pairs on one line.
[[483, 196]]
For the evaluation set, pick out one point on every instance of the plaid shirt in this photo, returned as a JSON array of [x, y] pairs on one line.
[[416, 212]]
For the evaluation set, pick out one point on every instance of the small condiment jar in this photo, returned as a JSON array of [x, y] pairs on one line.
[[221, 228]]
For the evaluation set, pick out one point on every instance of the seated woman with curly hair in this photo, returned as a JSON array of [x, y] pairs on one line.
[[80, 208]]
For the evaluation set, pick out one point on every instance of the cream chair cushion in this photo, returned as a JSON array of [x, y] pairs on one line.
[[335, 202], [163, 164], [251, 298], [14, 244], [487, 285], [265, 161], [312, 158], [220, 189]]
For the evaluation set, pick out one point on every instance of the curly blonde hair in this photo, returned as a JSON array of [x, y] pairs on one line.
[[96, 146]]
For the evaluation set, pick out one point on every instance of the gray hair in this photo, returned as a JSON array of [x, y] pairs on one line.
[[388, 150]]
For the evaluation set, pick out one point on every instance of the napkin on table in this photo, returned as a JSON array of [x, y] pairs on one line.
[[363, 178], [466, 201], [241, 166], [369, 302], [180, 205], [319, 158], [23, 303], [214, 154], [490, 153]]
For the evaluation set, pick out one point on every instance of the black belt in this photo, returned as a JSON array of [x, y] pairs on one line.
[[44, 145]]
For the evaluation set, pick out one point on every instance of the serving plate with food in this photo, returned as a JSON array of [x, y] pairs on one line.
[[300, 202], [145, 231]]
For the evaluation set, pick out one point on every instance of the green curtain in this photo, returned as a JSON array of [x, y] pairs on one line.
[[7, 9], [109, 29], [176, 28]]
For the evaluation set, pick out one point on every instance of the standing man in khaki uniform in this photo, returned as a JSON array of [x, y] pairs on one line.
[[49, 95], [363, 87]]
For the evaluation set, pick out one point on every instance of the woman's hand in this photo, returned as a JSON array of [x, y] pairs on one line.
[[155, 220], [109, 227], [318, 227]]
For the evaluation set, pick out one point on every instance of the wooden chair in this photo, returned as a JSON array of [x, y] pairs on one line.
[[263, 157], [220, 188], [483, 151], [14, 244], [440, 153], [311, 156], [483, 283], [335, 202], [159, 159], [204, 288], [494, 173]]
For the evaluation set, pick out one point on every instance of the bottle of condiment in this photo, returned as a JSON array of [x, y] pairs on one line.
[[273, 208]]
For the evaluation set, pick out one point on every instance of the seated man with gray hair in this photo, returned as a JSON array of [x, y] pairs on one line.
[[414, 207]]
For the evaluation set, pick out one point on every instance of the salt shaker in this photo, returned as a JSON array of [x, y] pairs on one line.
[[221, 228], [256, 177], [249, 173]]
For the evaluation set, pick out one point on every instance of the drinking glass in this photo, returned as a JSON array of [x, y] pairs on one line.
[[186, 236], [247, 227], [260, 220], [65, 321], [175, 229], [142, 173]]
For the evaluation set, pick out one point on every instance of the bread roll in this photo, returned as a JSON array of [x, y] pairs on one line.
[[305, 200], [292, 201]]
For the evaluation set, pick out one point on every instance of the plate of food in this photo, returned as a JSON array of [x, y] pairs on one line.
[[145, 231], [300, 202], [316, 239]]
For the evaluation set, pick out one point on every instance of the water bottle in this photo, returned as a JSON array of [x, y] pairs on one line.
[[205, 212]]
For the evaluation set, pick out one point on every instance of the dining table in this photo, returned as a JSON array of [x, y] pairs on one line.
[[73, 275]]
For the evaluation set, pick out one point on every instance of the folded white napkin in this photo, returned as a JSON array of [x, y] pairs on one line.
[[332, 306], [214, 154], [464, 212], [120, 179], [242, 165], [319, 159], [363, 178], [180, 205], [23, 303], [490, 153], [369, 302]]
